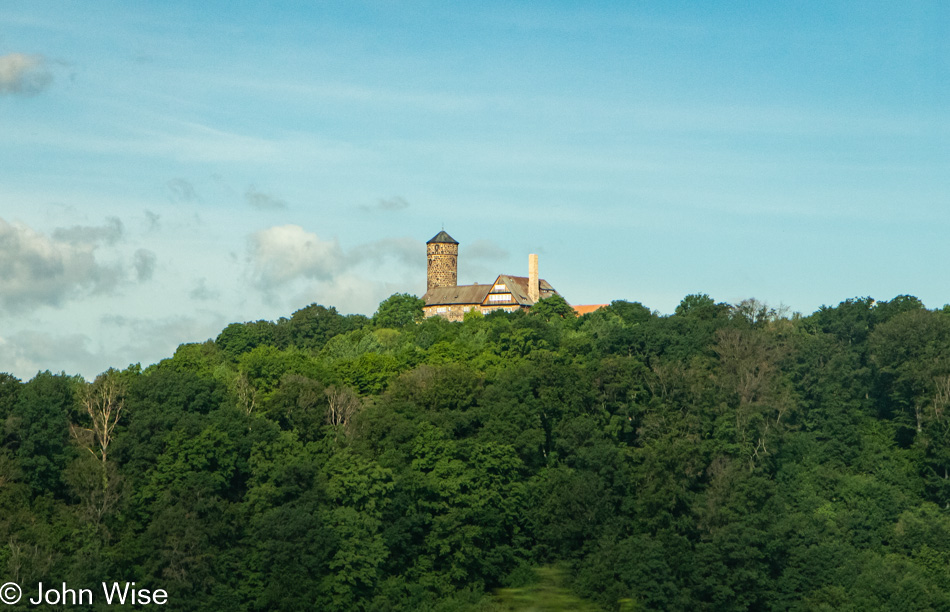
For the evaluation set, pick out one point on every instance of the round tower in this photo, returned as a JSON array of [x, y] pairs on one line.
[[443, 254]]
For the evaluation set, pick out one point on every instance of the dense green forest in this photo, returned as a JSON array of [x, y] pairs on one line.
[[724, 457]]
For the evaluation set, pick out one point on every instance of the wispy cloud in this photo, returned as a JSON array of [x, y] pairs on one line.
[[263, 201], [202, 292], [481, 260], [152, 220], [144, 263], [149, 340], [406, 251], [358, 94], [181, 190], [22, 74], [110, 233], [392, 204], [132, 134], [348, 292], [485, 249]]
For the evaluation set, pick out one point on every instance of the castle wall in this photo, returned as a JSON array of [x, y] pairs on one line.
[[456, 312], [453, 312]]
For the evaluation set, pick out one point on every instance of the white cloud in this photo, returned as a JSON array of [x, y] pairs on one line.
[[285, 253], [287, 257], [36, 269], [23, 74], [25, 353]]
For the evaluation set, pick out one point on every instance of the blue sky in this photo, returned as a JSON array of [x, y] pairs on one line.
[[169, 168]]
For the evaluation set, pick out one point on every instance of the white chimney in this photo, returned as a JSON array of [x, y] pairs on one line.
[[534, 286]]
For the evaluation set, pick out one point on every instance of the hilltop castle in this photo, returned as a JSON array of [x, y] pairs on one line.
[[446, 298]]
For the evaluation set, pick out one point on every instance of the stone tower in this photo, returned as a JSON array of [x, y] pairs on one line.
[[443, 255]]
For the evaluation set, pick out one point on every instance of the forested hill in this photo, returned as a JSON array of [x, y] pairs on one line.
[[725, 457]]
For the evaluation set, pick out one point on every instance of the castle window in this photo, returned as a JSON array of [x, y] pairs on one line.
[[499, 287], [499, 297]]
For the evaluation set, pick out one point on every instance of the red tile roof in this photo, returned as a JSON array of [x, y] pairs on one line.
[[588, 308]]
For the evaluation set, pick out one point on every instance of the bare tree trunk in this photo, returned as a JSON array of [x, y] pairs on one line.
[[246, 394], [104, 401], [343, 403]]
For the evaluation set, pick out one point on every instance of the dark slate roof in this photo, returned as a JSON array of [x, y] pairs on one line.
[[460, 294], [443, 237], [518, 287]]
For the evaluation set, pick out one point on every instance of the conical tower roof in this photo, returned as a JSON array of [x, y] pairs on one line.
[[443, 237]]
